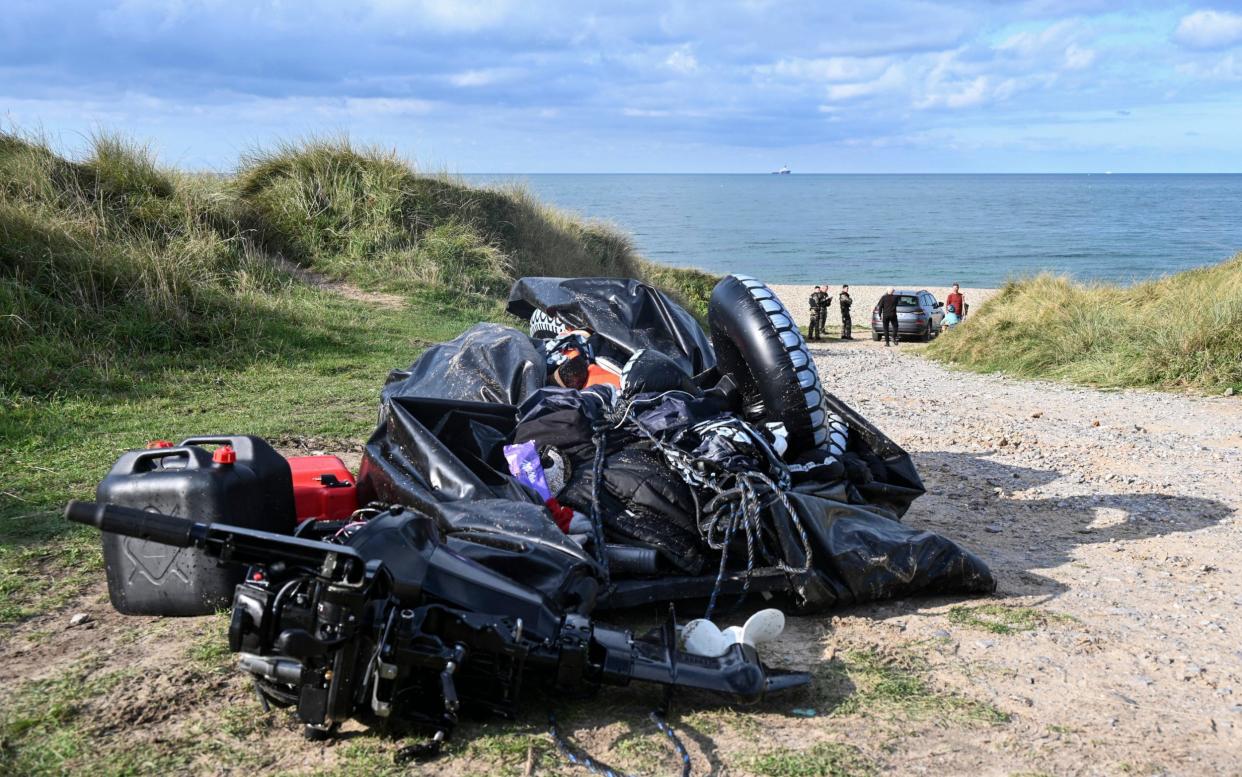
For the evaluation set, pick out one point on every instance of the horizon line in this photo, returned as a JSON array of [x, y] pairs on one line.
[[816, 172]]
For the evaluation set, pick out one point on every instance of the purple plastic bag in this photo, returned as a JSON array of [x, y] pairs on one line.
[[524, 465]]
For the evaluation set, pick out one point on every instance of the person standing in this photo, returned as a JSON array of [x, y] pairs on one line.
[[823, 311], [816, 303], [958, 302], [847, 324], [888, 317]]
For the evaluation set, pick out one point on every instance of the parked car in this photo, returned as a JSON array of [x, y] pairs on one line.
[[919, 315]]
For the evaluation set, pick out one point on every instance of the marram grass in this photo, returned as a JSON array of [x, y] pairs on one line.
[[111, 261], [1180, 332]]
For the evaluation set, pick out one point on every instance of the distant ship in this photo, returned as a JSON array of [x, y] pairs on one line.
[[782, 171]]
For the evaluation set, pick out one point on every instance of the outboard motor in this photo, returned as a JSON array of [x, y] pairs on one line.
[[391, 623]]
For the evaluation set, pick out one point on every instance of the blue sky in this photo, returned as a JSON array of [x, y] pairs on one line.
[[511, 87]]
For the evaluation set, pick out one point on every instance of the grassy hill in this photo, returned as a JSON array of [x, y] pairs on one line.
[[1179, 332], [138, 302], [113, 269]]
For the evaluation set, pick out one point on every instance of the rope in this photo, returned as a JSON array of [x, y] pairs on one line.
[[597, 521], [595, 767], [668, 731], [738, 499], [583, 760], [720, 573]]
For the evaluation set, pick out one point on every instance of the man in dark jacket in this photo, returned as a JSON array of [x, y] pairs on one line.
[[847, 324], [816, 304], [888, 316]]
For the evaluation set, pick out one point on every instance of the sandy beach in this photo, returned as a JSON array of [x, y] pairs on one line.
[[865, 297]]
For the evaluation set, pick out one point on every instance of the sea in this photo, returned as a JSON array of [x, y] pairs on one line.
[[977, 230]]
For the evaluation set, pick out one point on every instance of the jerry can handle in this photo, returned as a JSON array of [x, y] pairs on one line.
[[141, 460], [211, 440]]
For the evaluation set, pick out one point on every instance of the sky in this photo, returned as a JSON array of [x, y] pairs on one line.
[[499, 86]]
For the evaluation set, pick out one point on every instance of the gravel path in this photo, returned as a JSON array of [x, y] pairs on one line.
[[1118, 510], [1110, 520]]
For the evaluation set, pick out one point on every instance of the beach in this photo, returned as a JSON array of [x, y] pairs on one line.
[[865, 298]]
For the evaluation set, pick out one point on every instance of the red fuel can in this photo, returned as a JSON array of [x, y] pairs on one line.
[[322, 488]]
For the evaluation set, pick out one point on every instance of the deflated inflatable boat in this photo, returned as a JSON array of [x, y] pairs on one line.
[[695, 468], [518, 482]]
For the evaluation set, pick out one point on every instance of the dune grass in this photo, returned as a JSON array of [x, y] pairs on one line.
[[364, 214], [111, 263], [1179, 332], [138, 302]]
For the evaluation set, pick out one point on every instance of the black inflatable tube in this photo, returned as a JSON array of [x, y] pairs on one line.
[[758, 343]]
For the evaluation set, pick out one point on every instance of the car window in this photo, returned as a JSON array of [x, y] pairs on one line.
[[908, 300]]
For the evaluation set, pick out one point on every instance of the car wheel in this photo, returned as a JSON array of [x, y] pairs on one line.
[[875, 336], [926, 336]]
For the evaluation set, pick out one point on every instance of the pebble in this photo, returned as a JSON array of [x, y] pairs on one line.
[[992, 529], [941, 634], [81, 619]]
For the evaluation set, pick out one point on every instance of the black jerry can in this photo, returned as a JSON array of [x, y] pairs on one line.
[[272, 470], [230, 486]]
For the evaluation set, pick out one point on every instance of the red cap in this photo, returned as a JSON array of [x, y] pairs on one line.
[[224, 455], [159, 444]]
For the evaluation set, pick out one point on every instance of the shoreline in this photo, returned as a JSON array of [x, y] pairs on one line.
[[865, 298]]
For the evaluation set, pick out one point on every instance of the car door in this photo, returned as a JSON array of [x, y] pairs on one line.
[[934, 314]]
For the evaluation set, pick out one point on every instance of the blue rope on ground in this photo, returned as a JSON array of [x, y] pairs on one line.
[[584, 760], [595, 767], [668, 731]]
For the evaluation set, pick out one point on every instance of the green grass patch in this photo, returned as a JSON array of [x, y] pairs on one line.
[[210, 649], [39, 720], [508, 748], [865, 682], [326, 392], [1004, 618], [824, 759], [1179, 332]]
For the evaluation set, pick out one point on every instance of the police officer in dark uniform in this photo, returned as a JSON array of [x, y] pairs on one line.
[[823, 311], [816, 303], [847, 324]]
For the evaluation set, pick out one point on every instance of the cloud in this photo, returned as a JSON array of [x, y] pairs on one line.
[[1227, 68], [825, 68], [482, 77], [892, 79], [958, 95], [682, 60], [1209, 30], [1078, 57], [558, 79]]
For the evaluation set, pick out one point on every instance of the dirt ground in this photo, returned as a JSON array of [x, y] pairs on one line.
[[1111, 647]]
